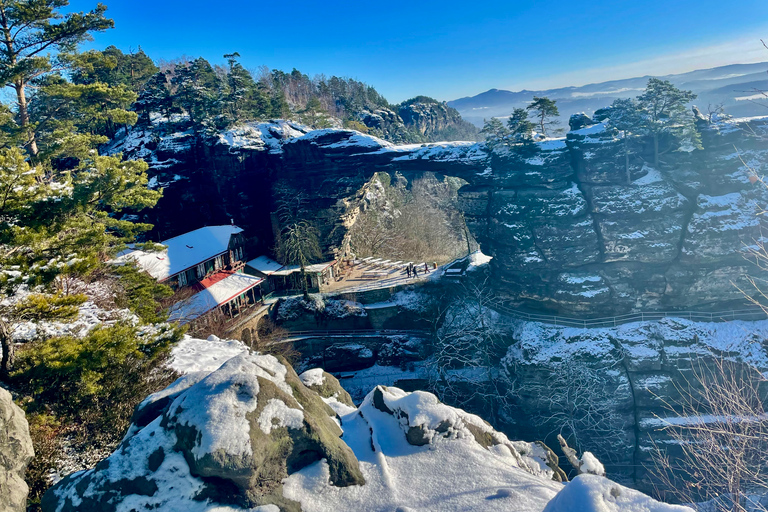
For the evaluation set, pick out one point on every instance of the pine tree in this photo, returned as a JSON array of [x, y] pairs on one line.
[[544, 109], [245, 98], [520, 127], [31, 31], [626, 117], [495, 133], [154, 97], [197, 91], [62, 108], [312, 112], [665, 113], [299, 245], [114, 68]]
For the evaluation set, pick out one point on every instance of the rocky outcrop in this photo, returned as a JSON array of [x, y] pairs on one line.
[[250, 436], [592, 493], [229, 437], [15, 453], [433, 120], [574, 226]]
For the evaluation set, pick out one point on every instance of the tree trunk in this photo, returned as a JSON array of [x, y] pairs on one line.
[[626, 160], [466, 235], [6, 341], [304, 283], [656, 151], [21, 99]]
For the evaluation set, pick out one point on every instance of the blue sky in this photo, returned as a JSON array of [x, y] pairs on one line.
[[448, 49]]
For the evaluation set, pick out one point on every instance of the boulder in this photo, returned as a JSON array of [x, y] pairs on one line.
[[15, 453], [579, 121], [424, 420], [326, 385], [229, 438]]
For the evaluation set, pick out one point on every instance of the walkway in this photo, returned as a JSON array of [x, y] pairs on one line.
[[751, 314]]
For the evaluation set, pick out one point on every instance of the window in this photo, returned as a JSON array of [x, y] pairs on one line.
[[183, 279], [200, 271]]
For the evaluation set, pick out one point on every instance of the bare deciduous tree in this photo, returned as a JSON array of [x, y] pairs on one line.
[[420, 223], [467, 348], [719, 425], [574, 400]]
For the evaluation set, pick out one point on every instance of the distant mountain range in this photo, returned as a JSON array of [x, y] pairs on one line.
[[736, 86]]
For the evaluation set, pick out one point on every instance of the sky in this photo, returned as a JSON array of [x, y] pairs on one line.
[[448, 49]]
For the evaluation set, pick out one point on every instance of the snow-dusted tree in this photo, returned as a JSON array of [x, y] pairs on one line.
[[495, 133], [625, 116], [717, 419], [665, 113], [155, 96], [197, 91], [545, 110], [520, 127]]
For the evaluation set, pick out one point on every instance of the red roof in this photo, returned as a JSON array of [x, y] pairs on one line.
[[212, 279]]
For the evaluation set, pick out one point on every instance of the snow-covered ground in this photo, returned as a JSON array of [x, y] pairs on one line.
[[192, 355], [454, 474], [450, 473]]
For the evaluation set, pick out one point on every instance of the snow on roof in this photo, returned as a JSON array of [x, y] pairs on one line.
[[314, 268], [184, 251], [219, 292], [264, 265]]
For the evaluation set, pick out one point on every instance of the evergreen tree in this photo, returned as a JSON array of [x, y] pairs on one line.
[[33, 30], [520, 127], [114, 68], [62, 108], [626, 117], [665, 115], [154, 97], [197, 91], [312, 112], [299, 245], [544, 109], [245, 98], [495, 133]]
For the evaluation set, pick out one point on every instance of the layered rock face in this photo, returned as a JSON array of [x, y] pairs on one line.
[[579, 229], [15, 453], [574, 227], [614, 390]]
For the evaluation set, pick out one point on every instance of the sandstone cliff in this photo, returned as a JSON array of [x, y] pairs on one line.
[[573, 227]]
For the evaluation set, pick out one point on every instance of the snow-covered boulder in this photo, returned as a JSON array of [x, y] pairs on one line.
[[419, 454], [226, 438], [591, 493], [424, 420], [326, 385]]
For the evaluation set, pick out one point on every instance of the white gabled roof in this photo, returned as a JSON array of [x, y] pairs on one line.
[[314, 268], [264, 265], [211, 297], [184, 251]]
